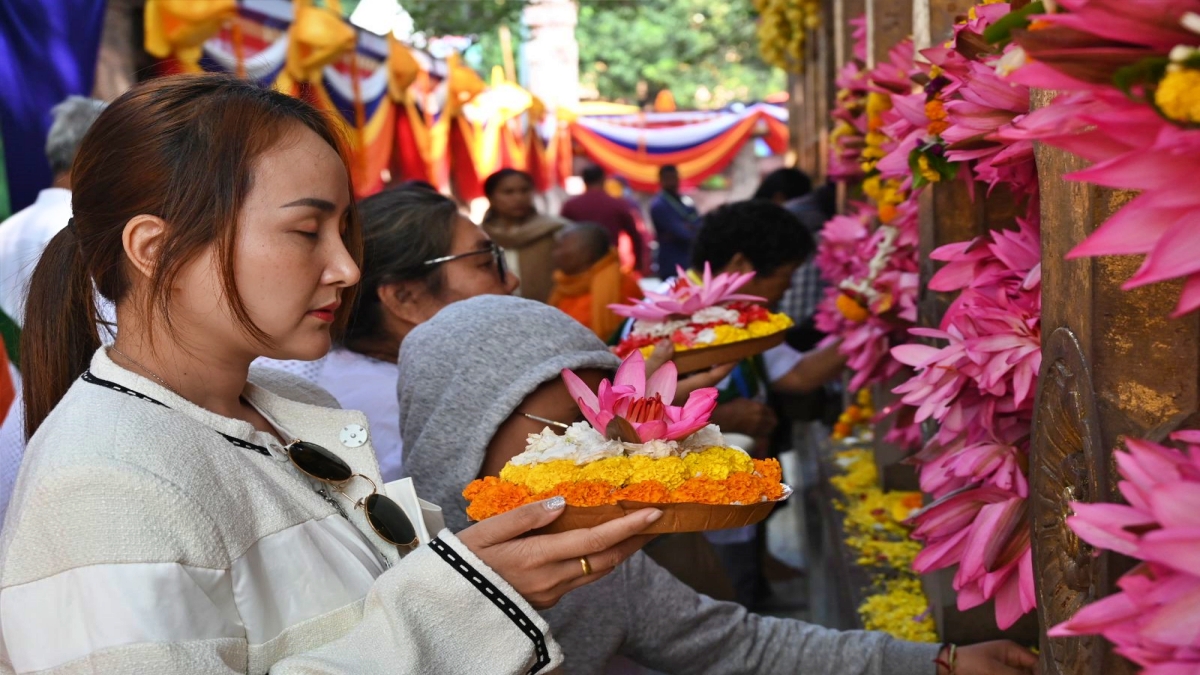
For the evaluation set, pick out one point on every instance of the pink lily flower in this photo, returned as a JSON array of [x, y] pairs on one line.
[[686, 297], [646, 405]]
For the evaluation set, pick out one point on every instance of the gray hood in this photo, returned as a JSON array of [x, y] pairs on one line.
[[464, 371]]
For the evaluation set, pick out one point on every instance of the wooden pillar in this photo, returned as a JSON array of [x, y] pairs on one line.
[[888, 22], [1113, 364], [796, 111]]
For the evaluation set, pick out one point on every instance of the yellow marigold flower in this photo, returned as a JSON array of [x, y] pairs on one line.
[[878, 103], [612, 470], [901, 610], [670, 471], [851, 309], [542, 477], [871, 187], [927, 172], [1178, 95], [717, 463]]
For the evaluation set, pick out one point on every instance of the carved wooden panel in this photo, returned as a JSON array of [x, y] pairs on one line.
[[1068, 464]]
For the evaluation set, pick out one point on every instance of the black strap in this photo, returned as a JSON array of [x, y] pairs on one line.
[[92, 379], [489, 590]]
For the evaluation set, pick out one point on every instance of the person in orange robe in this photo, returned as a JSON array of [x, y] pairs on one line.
[[588, 278]]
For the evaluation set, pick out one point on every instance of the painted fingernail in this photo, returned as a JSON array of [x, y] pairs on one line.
[[654, 515], [555, 503]]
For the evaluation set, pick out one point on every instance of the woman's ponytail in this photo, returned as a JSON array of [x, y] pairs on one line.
[[59, 335]]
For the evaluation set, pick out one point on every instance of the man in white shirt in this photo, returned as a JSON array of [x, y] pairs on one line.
[[23, 237]]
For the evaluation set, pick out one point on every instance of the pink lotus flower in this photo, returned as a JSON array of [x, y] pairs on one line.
[[985, 531], [687, 297], [646, 405], [1154, 620]]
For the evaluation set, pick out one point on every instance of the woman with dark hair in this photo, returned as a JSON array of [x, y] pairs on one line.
[[513, 222], [166, 518], [419, 254]]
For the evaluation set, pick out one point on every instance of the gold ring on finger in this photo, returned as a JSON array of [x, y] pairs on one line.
[[587, 566]]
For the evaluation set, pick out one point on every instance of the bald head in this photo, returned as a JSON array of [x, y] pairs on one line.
[[578, 246]]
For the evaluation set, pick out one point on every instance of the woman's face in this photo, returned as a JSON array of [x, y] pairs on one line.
[[291, 265], [469, 276], [513, 198], [551, 401]]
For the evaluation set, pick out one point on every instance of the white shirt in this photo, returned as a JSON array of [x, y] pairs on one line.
[[360, 383], [23, 237], [368, 385]]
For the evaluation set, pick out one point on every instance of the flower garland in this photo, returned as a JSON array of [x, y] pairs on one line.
[[978, 378], [848, 137], [1130, 106], [870, 300], [782, 28], [961, 121], [1153, 619], [875, 530]]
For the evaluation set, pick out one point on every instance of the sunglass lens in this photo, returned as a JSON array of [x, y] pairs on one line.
[[319, 462], [390, 521], [501, 264]]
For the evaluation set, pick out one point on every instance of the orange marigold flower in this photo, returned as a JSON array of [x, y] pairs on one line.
[[491, 496], [772, 490], [769, 469], [700, 491], [644, 491], [584, 493], [743, 488]]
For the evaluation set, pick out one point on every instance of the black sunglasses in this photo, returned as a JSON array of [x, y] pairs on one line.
[[385, 516], [496, 251]]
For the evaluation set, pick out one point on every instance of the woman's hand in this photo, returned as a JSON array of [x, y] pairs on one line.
[[991, 658], [664, 351], [543, 568]]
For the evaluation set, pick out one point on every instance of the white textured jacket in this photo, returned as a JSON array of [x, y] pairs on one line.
[[153, 536]]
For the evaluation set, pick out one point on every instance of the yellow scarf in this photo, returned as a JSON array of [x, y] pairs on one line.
[[603, 282]]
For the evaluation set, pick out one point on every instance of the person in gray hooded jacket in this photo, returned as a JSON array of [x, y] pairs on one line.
[[466, 377]]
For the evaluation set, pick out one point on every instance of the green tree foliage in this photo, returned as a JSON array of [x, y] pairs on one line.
[[463, 17], [704, 51]]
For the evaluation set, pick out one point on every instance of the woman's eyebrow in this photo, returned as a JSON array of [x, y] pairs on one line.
[[323, 205]]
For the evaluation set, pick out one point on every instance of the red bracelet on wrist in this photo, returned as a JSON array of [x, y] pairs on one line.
[[950, 663]]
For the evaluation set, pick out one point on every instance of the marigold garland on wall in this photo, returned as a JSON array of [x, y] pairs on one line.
[[782, 29]]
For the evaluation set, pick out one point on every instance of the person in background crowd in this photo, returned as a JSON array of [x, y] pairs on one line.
[[676, 222], [464, 389], [527, 236], [419, 254], [618, 188], [783, 185], [172, 455], [597, 206], [761, 237], [23, 236], [588, 278]]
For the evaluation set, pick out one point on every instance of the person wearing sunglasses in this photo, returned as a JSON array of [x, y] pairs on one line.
[[176, 512], [469, 398]]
